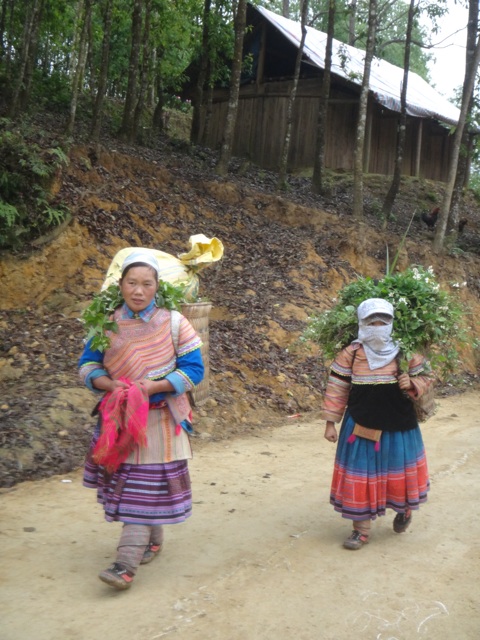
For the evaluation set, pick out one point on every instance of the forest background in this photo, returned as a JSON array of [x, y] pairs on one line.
[[128, 61]]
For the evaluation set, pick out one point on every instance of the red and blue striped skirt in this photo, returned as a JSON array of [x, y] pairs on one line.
[[150, 494], [367, 482]]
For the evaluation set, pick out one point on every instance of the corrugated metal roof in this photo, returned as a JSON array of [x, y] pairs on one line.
[[385, 78]]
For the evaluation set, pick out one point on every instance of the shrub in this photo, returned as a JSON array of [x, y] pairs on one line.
[[51, 92], [26, 170], [175, 102]]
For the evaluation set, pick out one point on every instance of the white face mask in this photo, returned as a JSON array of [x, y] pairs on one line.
[[377, 343], [377, 338]]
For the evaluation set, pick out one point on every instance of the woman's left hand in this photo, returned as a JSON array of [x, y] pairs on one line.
[[157, 386], [404, 382], [150, 386]]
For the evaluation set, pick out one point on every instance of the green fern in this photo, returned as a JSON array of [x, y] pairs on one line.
[[8, 214], [26, 170], [60, 155], [53, 216]]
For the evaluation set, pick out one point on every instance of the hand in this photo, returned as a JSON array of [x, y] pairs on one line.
[[331, 432], [104, 383], [404, 382], [151, 386], [157, 386], [118, 384]]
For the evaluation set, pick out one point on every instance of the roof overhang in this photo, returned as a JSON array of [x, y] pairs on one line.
[[386, 79]]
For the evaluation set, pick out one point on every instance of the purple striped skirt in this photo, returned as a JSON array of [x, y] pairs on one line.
[[150, 494]]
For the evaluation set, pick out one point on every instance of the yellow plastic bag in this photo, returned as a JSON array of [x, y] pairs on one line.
[[181, 270], [203, 251]]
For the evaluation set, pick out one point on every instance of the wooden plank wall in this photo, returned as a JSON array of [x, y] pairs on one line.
[[436, 150], [260, 131]]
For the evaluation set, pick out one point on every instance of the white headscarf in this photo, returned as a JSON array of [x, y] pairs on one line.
[[144, 256], [377, 342]]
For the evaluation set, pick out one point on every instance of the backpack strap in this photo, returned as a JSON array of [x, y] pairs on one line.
[[175, 319]]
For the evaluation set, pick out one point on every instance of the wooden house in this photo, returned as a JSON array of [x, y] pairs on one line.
[[271, 44]]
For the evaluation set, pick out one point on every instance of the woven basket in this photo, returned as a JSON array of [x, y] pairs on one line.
[[197, 314]]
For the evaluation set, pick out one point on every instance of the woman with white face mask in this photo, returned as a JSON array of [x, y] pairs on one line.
[[380, 461]]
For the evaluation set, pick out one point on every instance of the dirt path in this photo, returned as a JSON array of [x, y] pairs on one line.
[[261, 558]]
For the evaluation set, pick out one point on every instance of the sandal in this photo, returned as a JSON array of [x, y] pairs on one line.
[[150, 552], [355, 540], [402, 521]]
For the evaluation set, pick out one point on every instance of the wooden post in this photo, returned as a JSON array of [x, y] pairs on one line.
[[368, 137], [418, 154], [261, 57]]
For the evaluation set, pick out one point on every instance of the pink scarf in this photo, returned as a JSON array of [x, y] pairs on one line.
[[124, 415]]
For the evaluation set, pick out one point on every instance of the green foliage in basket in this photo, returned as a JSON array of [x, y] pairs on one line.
[[427, 319], [96, 318]]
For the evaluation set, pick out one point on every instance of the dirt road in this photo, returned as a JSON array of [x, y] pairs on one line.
[[261, 558]]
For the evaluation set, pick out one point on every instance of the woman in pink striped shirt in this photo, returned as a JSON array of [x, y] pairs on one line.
[[138, 459]]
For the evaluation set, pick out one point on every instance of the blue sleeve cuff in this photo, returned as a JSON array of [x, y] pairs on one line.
[[177, 381], [97, 373]]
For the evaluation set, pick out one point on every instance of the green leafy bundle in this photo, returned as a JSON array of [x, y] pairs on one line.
[[427, 319], [97, 320]]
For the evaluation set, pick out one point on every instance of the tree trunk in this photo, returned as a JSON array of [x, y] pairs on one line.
[[352, 19], [126, 128], [226, 150], [319, 162], [8, 35], [362, 115], [3, 22], [470, 148], [78, 73], [282, 173], [208, 116], [72, 58], [89, 61], [286, 8], [401, 135], [103, 75], [198, 106], [25, 44], [158, 121], [465, 146], [468, 86], [145, 72], [24, 97]]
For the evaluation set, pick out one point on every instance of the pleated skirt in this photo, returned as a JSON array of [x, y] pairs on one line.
[[367, 482], [149, 494]]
